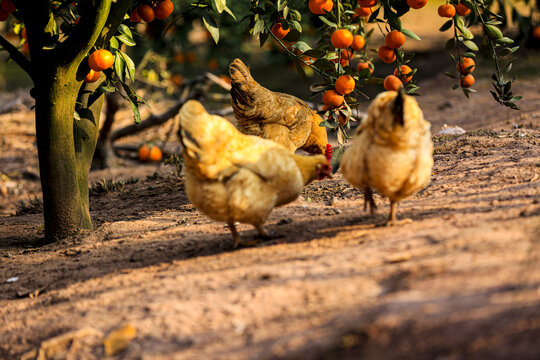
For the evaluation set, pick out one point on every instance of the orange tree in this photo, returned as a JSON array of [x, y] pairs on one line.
[[62, 44], [345, 32]]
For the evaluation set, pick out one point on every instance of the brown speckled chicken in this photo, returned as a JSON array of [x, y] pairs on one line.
[[391, 152], [280, 117], [235, 177]]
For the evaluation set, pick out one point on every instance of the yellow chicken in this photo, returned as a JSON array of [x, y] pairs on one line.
[[280, 117], [391, 152], [235, 177]]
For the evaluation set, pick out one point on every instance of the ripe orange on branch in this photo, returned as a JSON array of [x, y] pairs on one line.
[[405, 71], [416, 4], [367, 3], [358, 42], [461, 9], [332, 99], [364, 65], [347, 54], [341, 38], [320, 6], [163, 9], [392, 82], [386, 54], [447, 10], [149, 153], [394, 39], [278, 31], [467, 81], [92, 76], [146, 13], [100, 60], [345, 84], [466, 65], [363, 11]]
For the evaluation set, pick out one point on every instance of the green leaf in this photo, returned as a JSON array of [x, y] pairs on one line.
[[504, 41], [493, 32], [328, 22], [119, 65], [469, 54], [318, 87], [410, 34], [471, 45], [315, 53], [130, 65], [336, 158], [446, 26], [327, 124], [302, 46], [211, 26], [324, 64], [219, 5]]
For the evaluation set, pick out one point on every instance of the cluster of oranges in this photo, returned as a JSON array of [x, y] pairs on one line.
[[6, 8], [450, 10], [466, 66], [98, 61], [149, 153], [161, 10]]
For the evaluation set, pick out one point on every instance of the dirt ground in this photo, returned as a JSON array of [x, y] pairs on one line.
[[461, 281]]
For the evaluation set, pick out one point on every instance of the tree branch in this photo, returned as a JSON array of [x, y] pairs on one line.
[[16, 55], [116, 16], [94, 15]]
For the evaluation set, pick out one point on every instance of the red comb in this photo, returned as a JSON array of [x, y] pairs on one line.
[[329, 151]]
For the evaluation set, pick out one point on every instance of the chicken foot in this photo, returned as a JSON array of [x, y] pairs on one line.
[[392, 221]]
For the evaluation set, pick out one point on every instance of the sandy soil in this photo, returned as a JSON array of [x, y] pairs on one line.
[[461, 281]]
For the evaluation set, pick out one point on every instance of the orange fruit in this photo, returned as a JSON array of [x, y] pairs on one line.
[[386, 54], [536, 32], [367, 3], [467, 81], [149, 153], [461, 9], [347, 54], [447, 10], [320, 6], [332, 98], [146, 13], [135, 16], [3, 15], [392, 82], [466, 65], [405, 71], [416, 4], [341, 39], [100, 60], [144, 152], [364, 65], [155, 154], [345, 84], [7, 6], [92, 76], [163, 9], [344, 62], [363, 11], [279, 32], [176, 79], [358, 42], [394, 39]]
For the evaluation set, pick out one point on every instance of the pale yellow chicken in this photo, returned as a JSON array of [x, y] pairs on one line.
[[280, 117], [235, 177], [391, 152]]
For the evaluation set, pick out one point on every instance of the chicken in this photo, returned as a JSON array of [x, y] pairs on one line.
[[391, 152], [235, 177], [275, 116]]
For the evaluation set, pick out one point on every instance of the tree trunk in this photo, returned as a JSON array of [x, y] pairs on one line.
[[65, 149]]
